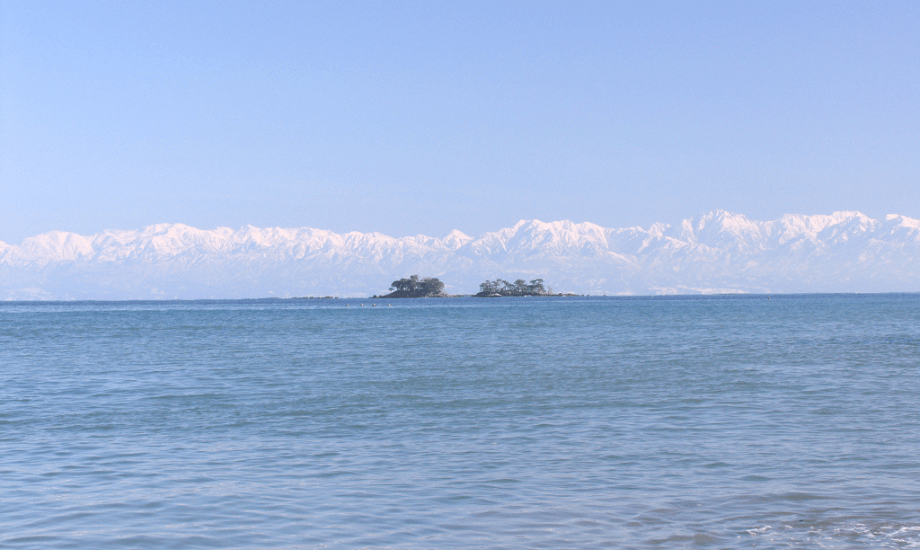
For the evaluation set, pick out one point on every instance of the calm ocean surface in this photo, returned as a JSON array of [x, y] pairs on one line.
[[723, 422]]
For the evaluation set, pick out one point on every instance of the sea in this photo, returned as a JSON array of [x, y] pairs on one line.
[[783, 421]]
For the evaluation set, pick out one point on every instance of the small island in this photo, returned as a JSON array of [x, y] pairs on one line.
[[520, 287], [413, 287], [432, 287]]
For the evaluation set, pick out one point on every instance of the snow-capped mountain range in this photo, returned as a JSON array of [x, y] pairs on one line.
[[715, 252]]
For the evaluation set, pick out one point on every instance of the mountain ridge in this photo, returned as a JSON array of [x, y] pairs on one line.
[[717, 251]]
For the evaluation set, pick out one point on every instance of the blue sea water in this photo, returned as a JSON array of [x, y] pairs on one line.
[[682, 422]]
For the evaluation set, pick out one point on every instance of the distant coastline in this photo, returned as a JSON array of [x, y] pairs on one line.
[[388, 297], [556, 295]]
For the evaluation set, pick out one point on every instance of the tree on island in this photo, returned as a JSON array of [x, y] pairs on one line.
[[413, 287], [520, 287]]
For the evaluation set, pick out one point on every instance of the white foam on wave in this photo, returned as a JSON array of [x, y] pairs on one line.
[[841, 536]]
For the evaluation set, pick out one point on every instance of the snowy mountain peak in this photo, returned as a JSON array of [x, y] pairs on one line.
[[903, 221], [455, 239]]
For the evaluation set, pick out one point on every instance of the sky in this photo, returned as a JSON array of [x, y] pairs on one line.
[[424, 117]]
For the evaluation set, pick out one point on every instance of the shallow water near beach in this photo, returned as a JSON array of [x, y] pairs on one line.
[[669, 422]]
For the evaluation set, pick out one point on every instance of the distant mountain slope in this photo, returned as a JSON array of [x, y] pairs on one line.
[[715, 252]]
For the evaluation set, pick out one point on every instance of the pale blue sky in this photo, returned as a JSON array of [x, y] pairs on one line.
[[424, 117]]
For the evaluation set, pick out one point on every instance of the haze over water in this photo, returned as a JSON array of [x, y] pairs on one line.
[[666, 422]]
